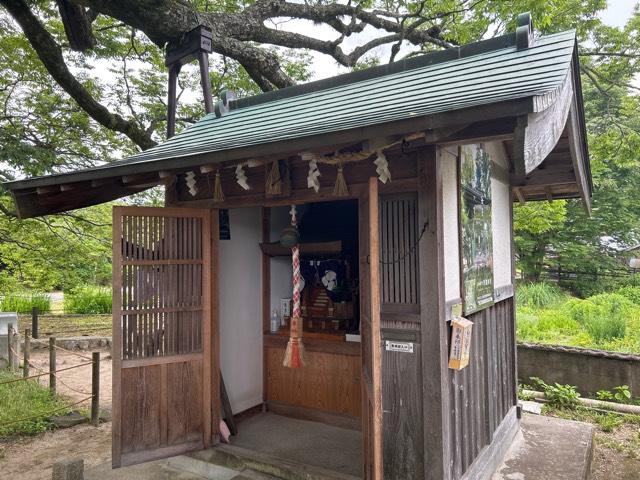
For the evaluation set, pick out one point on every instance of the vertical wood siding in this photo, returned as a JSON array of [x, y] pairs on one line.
[[482, 393], [398, 252], [403, 437]]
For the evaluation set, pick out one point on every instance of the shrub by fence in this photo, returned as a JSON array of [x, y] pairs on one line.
[[88, 300], [29, 405], [23, 302]]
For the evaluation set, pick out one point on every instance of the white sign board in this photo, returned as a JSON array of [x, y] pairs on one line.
[[395, 346]]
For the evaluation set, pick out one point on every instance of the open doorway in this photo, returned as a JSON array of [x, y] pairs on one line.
[[313, 415]]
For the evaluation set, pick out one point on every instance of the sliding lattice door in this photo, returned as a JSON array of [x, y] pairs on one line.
[[162, 361]]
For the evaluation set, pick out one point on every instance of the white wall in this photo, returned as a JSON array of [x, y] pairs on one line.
[[450, 217], [501, 220], [241, 309]]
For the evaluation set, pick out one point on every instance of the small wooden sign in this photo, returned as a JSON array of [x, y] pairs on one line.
[[460, 343]]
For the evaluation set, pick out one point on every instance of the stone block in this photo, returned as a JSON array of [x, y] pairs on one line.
[[72, 469]]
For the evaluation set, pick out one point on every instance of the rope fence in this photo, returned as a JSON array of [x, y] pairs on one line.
[[53, 374]]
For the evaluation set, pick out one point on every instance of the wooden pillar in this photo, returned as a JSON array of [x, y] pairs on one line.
[[27, 352], [215, 375], [95, 389], [52, 365], [434, 328], [203, 61]]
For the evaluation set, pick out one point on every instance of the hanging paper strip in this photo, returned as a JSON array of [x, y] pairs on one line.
[[241, 177], [294, 355], [382, 165], [190, 180], [313, 180]]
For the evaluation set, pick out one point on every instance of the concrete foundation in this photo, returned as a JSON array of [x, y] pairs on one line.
[[549, 448]]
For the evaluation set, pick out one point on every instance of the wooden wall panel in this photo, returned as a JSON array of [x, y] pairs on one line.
[[482, 394], [330, 382], [184, 394], [141, 419], [402, 409]]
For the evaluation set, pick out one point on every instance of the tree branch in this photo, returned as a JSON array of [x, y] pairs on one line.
[[50, 54]]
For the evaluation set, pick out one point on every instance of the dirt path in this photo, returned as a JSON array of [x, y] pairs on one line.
[[75, 384], [32, 458]]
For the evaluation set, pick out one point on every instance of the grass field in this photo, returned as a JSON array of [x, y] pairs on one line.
[[546, 314]]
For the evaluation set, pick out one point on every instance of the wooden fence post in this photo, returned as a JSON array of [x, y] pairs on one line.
[[52, 365], [34, 322], [10, 345], [95, 389], [27, 352]]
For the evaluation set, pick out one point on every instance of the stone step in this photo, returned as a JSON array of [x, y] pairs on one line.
[[249, 462]]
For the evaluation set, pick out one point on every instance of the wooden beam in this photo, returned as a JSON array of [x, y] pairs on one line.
[[549, 194], [47, 190], [519, 194], [101, 182], [66, 187]]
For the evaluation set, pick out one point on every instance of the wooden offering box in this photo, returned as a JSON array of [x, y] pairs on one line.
[[327, 389]]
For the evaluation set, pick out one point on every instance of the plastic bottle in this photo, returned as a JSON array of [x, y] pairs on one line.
[[275, 321]]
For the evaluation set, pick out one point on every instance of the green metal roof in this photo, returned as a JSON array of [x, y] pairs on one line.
[[443, 81], [475, 75], [491, 77]]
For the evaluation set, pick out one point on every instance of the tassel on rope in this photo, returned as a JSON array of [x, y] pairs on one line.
[[218, 195], [294, 355], [274, 182], [340, 189]]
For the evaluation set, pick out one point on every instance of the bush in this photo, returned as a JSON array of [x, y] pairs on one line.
[[630, 293], [602, 316], [539, 295], [92, 300], [558, 396], [23, 302]]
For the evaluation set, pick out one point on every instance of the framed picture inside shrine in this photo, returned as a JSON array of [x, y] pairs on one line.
[[476, 236]]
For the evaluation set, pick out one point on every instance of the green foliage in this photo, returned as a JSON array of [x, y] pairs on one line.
[[558, 396], [620, 394], [26, 399], [605, 321], [539, 295], [631, 293], [91, 300], [23, 302], [603, 316]]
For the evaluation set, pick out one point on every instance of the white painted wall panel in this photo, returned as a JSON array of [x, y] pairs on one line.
[[450, 232], [501, 220], [241, 309]]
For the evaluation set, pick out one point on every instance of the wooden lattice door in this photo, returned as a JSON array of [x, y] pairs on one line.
[[162, 356], [370, 332]]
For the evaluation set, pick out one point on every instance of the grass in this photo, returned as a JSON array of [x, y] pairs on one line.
[[608, 321], [26, 399], [23, 302], [617, 432]]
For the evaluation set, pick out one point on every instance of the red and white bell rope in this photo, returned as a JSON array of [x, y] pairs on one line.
[[294, 356]]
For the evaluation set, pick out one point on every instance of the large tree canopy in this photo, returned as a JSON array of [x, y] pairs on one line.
[[84, 82], [69, 36]]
